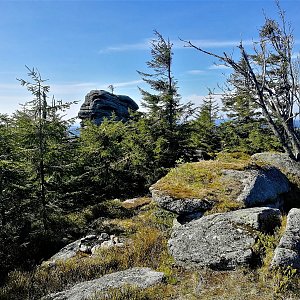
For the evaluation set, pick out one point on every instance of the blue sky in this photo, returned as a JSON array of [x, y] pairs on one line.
[[84, 45]]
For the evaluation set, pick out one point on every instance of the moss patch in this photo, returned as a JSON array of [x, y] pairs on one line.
[[206, 180]]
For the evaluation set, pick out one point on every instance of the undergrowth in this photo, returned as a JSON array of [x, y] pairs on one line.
[[147, 247], [147, 233]]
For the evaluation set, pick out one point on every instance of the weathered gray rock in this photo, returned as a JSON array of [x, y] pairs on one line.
[[140, 277], [259, 186], [66, 252], [99, 104], [222, 241], [88, 244], [180, 205], [287, 252], [281, 161]]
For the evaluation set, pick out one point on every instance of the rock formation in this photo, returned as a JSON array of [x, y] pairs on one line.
[[281, 161], [249, 187], [101, 104], [88, 244], [139, 277], [222, 241]]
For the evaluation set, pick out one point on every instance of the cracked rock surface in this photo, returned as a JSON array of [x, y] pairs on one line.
[[222, 241]]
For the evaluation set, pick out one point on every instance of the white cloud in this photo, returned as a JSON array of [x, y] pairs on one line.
[[218, 67], [126, 83], [84, 87], [218, 43], [10, 86], [144, 45], [195, 72], [177, 44]]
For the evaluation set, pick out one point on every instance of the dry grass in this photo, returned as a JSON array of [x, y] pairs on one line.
[[159, 292], [147, 247]]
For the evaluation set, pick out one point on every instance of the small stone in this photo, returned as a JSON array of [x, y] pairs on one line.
[[85, 249], [107, 244], [104, 236]]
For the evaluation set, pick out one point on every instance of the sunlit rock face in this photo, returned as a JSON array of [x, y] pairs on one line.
[[222, 241], [100, 104]]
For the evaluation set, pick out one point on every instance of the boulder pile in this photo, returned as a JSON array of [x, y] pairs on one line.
[[222, 216], [88, 245]]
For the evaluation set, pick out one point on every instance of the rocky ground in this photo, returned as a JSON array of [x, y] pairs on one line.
[[218, 229]]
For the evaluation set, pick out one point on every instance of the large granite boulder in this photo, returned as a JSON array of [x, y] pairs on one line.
[[100, 104], [222, 241], [259, 186], [249, 187], [281, 161], [287, 166], [287, 252], [139, 277]]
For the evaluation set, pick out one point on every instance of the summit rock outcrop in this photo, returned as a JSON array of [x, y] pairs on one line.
[[100, 104]]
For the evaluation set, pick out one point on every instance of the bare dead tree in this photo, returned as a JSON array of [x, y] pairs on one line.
[[270, 74]]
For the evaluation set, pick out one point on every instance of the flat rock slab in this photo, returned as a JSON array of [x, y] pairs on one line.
[[222, 241], [287, 252], [140, 277]]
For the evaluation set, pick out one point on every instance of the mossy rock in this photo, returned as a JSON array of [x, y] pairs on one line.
[[220, 185]]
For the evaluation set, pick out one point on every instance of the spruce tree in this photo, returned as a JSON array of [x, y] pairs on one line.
[[205, 134], [166, 115], [42, 139], [246, 129], [272, 79]]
